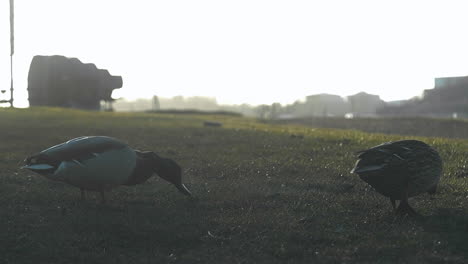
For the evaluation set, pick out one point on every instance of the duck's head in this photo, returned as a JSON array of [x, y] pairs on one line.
[[169, 170]]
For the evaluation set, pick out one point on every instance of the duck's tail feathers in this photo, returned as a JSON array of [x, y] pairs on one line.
[[38, 167], [367, 168]]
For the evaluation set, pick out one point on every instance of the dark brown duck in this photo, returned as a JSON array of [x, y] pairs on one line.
[[399, 170]]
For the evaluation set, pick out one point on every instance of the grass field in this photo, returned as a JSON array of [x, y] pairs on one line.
[[411, 126], [263, 193]]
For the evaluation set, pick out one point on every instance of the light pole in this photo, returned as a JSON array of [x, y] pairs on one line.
[[12, 51]]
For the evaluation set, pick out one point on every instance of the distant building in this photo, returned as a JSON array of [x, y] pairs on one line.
[[449, 98], [450, 82], [67, 82], [448, 90], [326, 105], [364, 104]]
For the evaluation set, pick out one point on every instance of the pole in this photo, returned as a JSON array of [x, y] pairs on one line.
[[12, 47], [11, 83]]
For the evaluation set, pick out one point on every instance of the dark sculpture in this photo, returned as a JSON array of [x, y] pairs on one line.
[[67, 82]]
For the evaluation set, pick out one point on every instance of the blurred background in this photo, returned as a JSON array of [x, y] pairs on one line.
[[276, 58]]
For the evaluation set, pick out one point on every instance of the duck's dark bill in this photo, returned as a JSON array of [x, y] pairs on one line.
[[183, 189]]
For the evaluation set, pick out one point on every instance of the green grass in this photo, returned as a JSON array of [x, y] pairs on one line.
[[412, 126], [264, 193]]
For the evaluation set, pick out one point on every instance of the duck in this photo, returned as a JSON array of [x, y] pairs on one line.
[[400, 170], [101, 163]]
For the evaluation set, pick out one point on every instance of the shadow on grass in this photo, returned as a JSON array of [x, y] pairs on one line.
[[173, 226], [452, 225], [105, 233]]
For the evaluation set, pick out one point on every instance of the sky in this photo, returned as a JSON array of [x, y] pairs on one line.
[[245, 51]]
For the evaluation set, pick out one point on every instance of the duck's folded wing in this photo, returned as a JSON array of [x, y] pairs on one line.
[[78, 150], [386, 149], [380, 157]]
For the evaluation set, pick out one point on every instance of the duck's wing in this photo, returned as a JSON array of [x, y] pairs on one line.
[[385, 168], [76, 150], [390, 154]]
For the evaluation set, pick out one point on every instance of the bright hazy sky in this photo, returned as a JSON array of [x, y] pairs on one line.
[[245, 51]]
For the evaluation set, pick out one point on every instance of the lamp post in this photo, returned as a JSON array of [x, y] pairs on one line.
[[12, 51]]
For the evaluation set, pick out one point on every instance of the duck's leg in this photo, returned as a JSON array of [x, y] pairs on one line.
[[393, 203], [432, 192], [83, 194], [404, 208]]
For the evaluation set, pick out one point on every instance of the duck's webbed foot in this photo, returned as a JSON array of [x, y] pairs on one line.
[[405, 209]]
